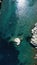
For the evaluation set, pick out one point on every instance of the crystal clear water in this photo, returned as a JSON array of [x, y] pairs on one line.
[[17, 19]]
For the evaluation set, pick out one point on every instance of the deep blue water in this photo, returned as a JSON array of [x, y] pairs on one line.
[[8, 53]]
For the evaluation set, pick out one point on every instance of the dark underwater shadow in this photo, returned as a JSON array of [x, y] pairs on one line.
[[28, 39], [9, 53]]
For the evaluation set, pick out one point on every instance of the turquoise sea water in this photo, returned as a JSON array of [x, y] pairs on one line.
[[18, 18]]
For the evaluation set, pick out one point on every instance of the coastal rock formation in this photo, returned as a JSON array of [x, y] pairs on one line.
[[34, 36]]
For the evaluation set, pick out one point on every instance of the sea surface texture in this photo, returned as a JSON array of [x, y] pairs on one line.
[[17, 18]]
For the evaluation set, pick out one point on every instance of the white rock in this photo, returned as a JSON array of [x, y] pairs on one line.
[[0, 1], [17, 40], [34, 36], [36, 24]]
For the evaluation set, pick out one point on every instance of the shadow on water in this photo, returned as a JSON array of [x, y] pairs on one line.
[[28, 39], [9, 53]]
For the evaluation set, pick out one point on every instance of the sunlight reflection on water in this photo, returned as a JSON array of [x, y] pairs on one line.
[[21, 6]]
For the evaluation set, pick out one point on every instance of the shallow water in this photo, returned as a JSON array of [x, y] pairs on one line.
[[18, 18]]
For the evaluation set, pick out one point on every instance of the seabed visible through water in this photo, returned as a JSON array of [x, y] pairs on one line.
[[17, 19]]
